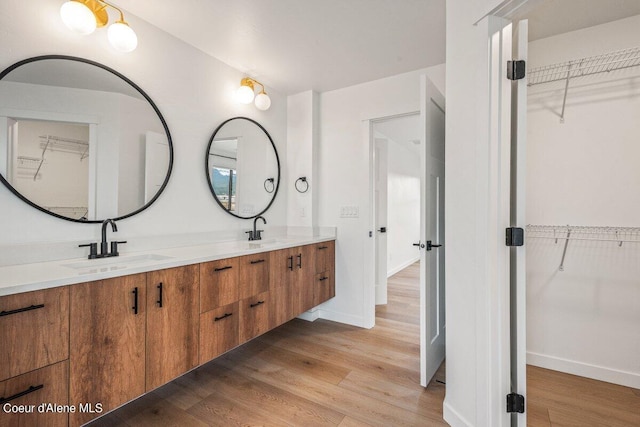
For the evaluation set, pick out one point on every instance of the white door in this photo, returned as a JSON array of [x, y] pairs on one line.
[[156, 161], [432, 249], [380, 160]]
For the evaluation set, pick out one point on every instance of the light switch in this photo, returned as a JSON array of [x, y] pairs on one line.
[[349, 211]]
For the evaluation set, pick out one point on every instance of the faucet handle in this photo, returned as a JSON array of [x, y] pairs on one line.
[[250, 233], [93, 249], [258, 235], [114, 247]]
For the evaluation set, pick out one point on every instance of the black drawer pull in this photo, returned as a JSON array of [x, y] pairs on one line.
[[256, 304], [257, 261], [299, 260], [323, 247], [223, 268], [222, 317], [322, 279], [31, 389], [159, 302], [20, 310], [135, 300], [290, 266]]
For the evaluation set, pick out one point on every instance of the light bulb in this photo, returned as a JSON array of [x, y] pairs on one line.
[[244, 94], [263, 102], [78, 17], [122, 37]]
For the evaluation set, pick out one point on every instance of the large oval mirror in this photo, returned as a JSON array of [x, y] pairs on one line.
[[79, 140], [243, 167]]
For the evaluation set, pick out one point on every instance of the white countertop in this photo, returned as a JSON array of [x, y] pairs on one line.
[[43, 275]]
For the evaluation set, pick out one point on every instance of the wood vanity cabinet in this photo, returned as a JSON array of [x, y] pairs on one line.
[[45, 385], [172, 324], [218, 331], [107, 351], [219, 283], [34, 330], [254, 316], [253, 275], [280, 273], [302, 279], [324, 286]]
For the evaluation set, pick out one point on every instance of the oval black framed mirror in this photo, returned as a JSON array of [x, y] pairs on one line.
[[80, 141], [242, 167]]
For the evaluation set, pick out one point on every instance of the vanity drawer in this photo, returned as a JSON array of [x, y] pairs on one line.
[[219, 283], [36, 324], [324, 287], [325, 256], [254, 316], [218, 331], [254, 274], [44, 385]]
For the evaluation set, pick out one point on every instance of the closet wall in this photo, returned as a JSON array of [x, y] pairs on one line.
[[585, 319]]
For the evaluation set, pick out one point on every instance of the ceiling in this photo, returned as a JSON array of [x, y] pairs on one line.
[[297, 45]]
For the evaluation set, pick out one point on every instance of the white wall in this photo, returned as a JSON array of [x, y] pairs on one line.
[[193, 91], [343, 179], [584, 320], [403, 207]]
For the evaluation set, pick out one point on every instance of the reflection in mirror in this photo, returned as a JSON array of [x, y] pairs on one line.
[[243, 168], [79, 140]]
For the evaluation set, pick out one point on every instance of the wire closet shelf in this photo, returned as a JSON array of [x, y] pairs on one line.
[[605, 63], [573, 232]]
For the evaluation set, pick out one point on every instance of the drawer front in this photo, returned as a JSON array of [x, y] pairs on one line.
[[254, 274], [324, 287], [37, 326], [218, 283], [218, 331], [254, 316], [325, 256], [49, 385]]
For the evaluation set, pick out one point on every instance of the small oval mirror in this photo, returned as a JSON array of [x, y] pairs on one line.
[[243, 167], [82, 142]]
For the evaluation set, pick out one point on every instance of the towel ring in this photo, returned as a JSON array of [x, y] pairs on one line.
[[303, 180], [269, 185]]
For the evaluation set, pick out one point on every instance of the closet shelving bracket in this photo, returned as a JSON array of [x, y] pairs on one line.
[[567, 71]]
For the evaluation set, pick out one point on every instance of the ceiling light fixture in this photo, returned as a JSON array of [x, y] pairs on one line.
[[246, 93], [84, 16]]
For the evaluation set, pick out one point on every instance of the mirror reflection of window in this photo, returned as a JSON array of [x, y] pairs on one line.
[[224, 183]]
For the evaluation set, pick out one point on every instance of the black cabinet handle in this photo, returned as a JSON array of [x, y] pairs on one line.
[[31, 389], [290, 266], [159, 295], [299, 260], [322, 279], [223, 268], [135, 300], [20, 310], [257, 261], [215, 319], [323, 247], [256, 304]]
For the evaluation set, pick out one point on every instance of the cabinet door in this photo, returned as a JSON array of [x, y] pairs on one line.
[[325, 256], [324, 287], [254, 316], [254, 275], [37, 326], [302, 279], [173, 320], [107, 352], [218, 283], [44, 385], [281, 267], [218, 331]]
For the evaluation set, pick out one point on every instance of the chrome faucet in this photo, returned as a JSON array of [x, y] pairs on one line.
[[255, 234]]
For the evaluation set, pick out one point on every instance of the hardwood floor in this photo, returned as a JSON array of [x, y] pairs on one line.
[[329, 374], [307, 374]]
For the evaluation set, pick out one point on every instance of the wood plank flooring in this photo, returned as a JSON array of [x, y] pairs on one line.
[[329, 374]]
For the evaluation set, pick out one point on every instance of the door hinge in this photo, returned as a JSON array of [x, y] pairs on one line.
[[515, 236], [516, 70], [515, 403]]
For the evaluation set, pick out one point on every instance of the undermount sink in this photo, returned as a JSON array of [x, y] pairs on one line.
[[114, 263], [254, 244]]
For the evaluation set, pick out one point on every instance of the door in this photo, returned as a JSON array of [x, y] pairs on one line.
[[380, 161], [156, 161], [432, 327]]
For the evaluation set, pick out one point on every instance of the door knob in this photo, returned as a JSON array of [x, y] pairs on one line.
[[430, 245]]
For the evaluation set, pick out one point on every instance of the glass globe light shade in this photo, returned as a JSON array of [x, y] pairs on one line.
[[244, 94], [78, 17], [263, 102], [122, 37]]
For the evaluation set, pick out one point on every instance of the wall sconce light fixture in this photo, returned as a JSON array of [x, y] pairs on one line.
[[84, 16], [246, 93]]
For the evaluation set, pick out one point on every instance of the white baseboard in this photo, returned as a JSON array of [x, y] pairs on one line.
[[310, 316], [601, 373], [452, 417], [402, 267], [339, 317]]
